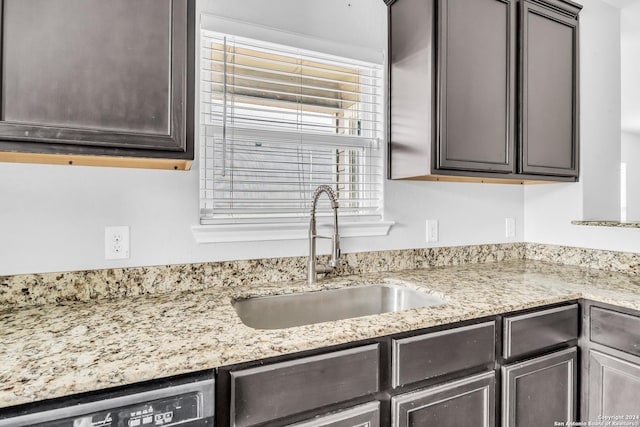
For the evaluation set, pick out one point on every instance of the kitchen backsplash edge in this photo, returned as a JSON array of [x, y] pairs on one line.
[[50, 288], [622, 262]]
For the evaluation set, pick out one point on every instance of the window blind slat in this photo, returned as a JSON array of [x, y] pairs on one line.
[[257, 120], [278, 122], [252, 111], [295, 83], [278, 58], [234, 89], [292, 138], [214, 69]]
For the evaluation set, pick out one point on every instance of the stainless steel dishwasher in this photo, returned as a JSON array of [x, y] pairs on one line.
[[165, 403]]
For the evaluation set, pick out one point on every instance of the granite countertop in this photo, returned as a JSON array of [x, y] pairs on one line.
[[50, 351], [605, 223]]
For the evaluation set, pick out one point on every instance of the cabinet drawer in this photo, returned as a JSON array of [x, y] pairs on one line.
[[535, 331], [367, 415], [616, 330], [274, 391], [430, 355]]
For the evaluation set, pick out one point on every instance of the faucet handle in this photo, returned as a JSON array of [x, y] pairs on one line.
[[335, 251], [334, 260]]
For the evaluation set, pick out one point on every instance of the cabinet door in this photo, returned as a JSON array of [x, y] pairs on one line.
[[614, 387], [469, 402], [97, 78], [367, 415], [411, 89], [476, 79], [549, 86], [540, 391]]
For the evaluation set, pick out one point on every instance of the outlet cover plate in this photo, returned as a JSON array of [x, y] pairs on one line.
[[432, 231], [510, 228], [116, 242]]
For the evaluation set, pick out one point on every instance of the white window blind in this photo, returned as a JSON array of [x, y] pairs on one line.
[[276, 122]]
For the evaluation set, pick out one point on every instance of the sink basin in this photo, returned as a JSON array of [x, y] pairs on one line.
[[286, 311]]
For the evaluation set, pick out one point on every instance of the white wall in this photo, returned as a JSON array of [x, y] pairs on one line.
[[631, 156], [549, 210], [630, 48], [600, 110], [630, 103], [52, 218]]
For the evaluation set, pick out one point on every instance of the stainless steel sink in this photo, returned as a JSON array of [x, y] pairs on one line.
[[286, 311]]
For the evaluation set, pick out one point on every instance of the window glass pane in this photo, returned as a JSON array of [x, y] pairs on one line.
[[278, 122]]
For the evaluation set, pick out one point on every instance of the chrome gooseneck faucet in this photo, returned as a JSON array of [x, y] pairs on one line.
[[312, 269]]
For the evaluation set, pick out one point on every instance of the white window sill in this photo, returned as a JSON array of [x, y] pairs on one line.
[[295, 231]]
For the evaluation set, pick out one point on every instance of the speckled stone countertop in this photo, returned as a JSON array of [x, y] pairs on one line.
[[604, 223], [55, 350]]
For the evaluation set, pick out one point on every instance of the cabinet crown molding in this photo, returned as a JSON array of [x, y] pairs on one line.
[[566, 7]]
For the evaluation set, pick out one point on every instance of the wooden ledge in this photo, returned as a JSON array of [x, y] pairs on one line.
[[101, 161], [483, 180]]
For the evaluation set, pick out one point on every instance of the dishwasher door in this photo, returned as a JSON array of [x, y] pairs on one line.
[[189, 404]]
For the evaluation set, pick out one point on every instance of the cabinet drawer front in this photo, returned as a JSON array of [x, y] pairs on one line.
[[466, 402], [616, 330], [535, 331], [367, 415], [430, 355], [274, 391]]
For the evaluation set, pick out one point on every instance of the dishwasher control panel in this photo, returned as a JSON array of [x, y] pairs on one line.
[[164, 412], [188, 404]]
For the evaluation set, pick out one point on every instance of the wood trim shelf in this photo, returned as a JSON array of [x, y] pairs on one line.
[[484, 180], [103, 161]]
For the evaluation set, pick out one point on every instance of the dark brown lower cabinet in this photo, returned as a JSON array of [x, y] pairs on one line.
[[461, 403], [446, 376], [276, 391], [540, 391], [367, 415], [529, 333], [449, 351], [611, 364], [614, 387]]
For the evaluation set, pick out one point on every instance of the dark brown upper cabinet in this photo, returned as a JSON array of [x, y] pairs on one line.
[[476, 67], [91, 81], [483, 90], [549, 87]]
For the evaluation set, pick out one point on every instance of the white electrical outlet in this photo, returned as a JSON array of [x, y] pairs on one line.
[[432, 230], [116, 242], [510, 228]]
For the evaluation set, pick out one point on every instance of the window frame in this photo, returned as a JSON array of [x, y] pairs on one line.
[[247, 231]]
